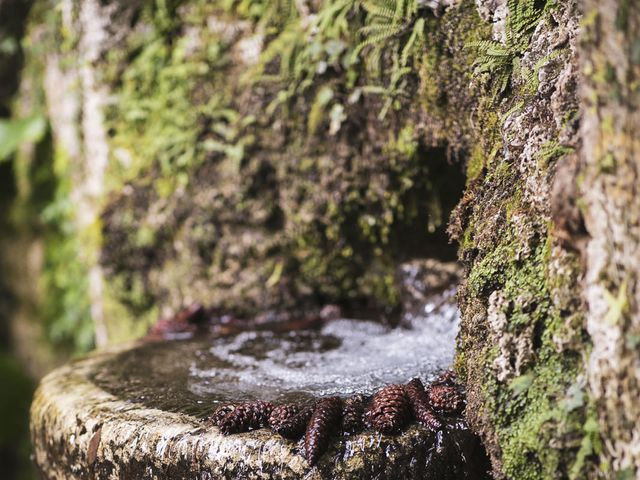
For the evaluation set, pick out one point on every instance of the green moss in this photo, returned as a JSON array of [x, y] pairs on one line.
[[288, 180], [120, 326], [530, 412], [536, 416], [497, 61], [65, 306], [541, 406], [174, 105], [475, 164], [445, 68]]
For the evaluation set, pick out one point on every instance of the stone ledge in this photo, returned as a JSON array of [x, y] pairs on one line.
[[81, 431]]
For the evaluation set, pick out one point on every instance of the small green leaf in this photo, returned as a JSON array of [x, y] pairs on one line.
[[521, 384], [575, 397], [275, 276], [15, 133]]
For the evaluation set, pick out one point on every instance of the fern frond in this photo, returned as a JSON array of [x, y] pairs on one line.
[[530, 76], [399, 13], [482, 45], [375, 9], [376, 34], [328, 17], [378, 28], [522, 18], [412, 9], [417, 36]]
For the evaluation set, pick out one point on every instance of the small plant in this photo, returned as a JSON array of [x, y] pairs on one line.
[[168, 117], [496, 61], [301, 51], [393, 26], [551, 151], [388, 23], [389, 32], [395, 90], [267, 13]]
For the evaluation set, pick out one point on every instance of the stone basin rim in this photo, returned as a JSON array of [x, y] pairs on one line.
[[79, 430]]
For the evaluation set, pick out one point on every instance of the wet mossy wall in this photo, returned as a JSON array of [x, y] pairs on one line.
[[523, 341], [264, 155], [283, 188]]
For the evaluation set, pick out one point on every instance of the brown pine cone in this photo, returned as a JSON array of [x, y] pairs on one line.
[[420, 405], [323, 424], [448, 377], [294, 427], [353, 412], [219, 413], [446, 399], [246, 416], [282, 413], [389, 410]]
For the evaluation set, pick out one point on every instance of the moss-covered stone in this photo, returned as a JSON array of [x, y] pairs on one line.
[[523, 342], [263, 157], [101, 417], [256, 201]]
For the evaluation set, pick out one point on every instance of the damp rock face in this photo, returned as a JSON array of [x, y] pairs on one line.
[[140, 411]]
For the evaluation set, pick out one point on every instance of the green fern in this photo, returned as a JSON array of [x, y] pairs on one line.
[[298, 49], [393, 28], [530, 76], [387, 19], [552, 150], [391, 31], [394, 91], [385, 9], [268, 14], [523, 18], [497, 61]]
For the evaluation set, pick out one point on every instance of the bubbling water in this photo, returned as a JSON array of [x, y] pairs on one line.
[[344, 357]]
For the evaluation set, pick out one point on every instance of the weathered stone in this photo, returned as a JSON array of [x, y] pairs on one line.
[[81, 430], [610, 130]]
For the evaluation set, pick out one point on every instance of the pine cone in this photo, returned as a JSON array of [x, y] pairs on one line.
[[353, 412], [294, 427], [281, 414], [219, 413], [389, 410], [448, 377], [246, 416], [420, 405], [323, 424], [446, 399]]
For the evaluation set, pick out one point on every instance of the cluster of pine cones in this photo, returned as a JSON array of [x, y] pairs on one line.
[[388, 411]]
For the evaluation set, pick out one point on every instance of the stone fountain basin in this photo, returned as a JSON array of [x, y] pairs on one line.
[[139, 411]]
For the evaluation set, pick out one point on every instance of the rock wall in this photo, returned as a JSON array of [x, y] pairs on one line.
[[258, 155], [284, 188], [523, 334], [610, 173]]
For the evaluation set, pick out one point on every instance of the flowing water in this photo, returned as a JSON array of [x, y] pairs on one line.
[[343, 357]]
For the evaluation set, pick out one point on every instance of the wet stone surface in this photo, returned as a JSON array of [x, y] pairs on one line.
[[139, 412]]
